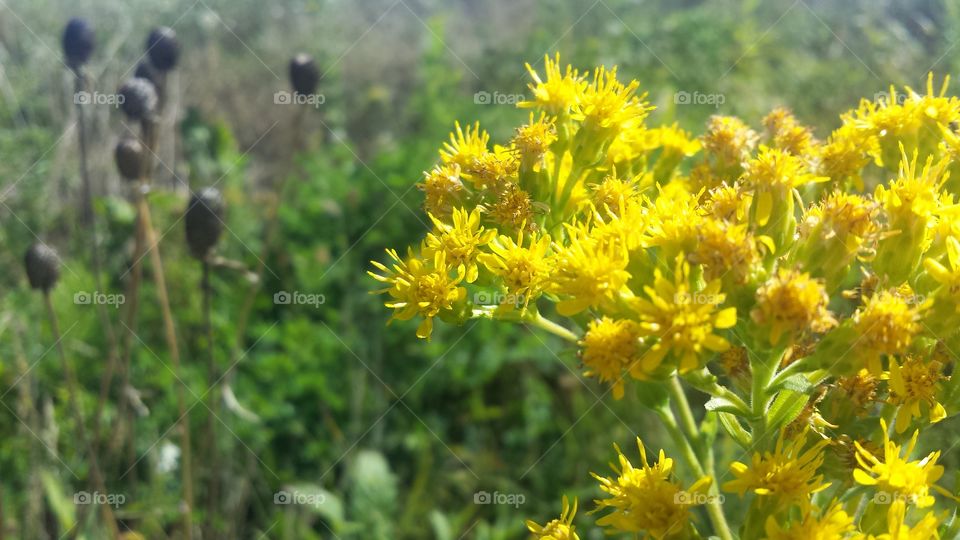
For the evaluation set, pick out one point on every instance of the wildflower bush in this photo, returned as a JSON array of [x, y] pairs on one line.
[[808, 288]]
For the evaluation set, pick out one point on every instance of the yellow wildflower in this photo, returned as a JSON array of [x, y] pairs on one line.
[[786, 133], [608, 349], [558, 92], [913, 385], [897, 528], [790, 303], [787, 475], [647, 499], [465, 146], [588, 272], [460, 241], [887, 324], [524, 271], [681, 320], [561, 528], [834, 523], [443, 189], [897, 478], [421, 287]]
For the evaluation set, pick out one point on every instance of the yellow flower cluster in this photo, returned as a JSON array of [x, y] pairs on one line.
[[810, 287]]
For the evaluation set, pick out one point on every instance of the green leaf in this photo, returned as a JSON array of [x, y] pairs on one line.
[[786, 407]]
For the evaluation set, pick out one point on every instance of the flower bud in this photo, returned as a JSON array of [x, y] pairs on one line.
[[163, 48], [303, 74], [204, 221], [129, 158], [78, 42], [139, 98], [43, 266]]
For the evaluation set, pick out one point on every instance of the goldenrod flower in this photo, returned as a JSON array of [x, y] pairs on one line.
[[681, 320], [914, 385], [459, 241], [728, 143], [726, 251], [588, 272], [833, 233], [613, 192], [791, 303], [788, 475], [834, 523], [465, 146], [534, 138], [513, 208], [787, 134], [895, 476], [421, 287], [609, 348], [949, 279], [911, 203], [524, 270], [559, 91], [887, 324], [897, 528], [647, 499], [443, 189], [846, 152], [772, 175], [561, 528], [727, 202], [607, 106], [859, 390]]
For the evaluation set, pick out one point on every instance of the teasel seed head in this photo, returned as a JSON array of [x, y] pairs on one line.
[[139, 98], [129, 158], [163, 48], [78, 42], [43, 266], [204, 221], [303, 74], [146, 71]]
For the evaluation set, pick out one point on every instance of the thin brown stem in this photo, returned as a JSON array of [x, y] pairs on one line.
[[213, 458], [89, 216], [73, 396]]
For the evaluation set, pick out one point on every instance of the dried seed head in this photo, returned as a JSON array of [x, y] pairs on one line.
[[78, 42], [43, 266], [146, 71], [129, 158], [139, 98], [303, 74], [204, 221], [163, 48]]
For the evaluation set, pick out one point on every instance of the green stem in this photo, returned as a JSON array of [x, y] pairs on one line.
[[546, 324], [679, 398], [714, 508]]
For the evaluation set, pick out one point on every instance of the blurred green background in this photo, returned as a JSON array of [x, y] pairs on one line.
[[397, 436]]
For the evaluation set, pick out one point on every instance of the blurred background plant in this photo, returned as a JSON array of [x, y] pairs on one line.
[[389, 436]]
